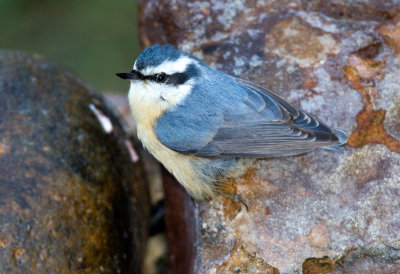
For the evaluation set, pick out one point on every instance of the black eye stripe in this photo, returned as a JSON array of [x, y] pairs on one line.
[[175, 79], [180, 78], [149, 77]]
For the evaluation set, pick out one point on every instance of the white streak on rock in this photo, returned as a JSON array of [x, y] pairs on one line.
[[104, 120], [132, 152]]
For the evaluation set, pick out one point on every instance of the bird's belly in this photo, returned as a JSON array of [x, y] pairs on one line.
[[183, 167]]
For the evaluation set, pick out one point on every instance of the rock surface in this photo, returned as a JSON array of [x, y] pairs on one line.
[[72, 194], [320, 212]]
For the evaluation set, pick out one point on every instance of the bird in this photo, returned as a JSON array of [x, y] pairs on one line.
[[206, 126]]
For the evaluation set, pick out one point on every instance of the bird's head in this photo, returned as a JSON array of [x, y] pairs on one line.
[[162, 77]]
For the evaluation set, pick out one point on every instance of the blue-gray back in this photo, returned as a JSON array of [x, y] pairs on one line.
[[225, 116]]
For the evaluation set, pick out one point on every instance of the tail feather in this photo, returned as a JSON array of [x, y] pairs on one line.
[[343, 137]]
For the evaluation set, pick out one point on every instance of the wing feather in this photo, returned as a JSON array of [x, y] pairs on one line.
[[258, 124]]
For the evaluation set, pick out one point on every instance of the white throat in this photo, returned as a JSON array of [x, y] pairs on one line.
[[149, 100]]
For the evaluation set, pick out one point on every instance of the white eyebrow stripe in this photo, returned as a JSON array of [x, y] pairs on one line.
[[170, 67]]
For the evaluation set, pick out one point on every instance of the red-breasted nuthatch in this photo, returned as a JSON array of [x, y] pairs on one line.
[[206, 126]]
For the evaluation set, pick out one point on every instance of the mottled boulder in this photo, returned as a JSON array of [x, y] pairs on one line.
[[72, 194], [323, 211]]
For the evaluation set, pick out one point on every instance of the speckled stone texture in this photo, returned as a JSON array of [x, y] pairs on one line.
[[73, 198], [324, 211]]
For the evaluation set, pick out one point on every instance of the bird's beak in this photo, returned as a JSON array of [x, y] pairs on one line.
[[129, 76]]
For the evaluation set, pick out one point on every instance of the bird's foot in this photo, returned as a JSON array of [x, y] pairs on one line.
[[236, 198]]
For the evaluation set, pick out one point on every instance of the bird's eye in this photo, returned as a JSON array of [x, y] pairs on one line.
[[161, 77]]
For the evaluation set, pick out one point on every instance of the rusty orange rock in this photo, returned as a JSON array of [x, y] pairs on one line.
[[318, 265], [391, 33], [370, 122], [244, 262], [2, 149]]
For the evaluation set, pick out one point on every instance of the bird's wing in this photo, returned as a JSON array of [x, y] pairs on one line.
[[259, 124]]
